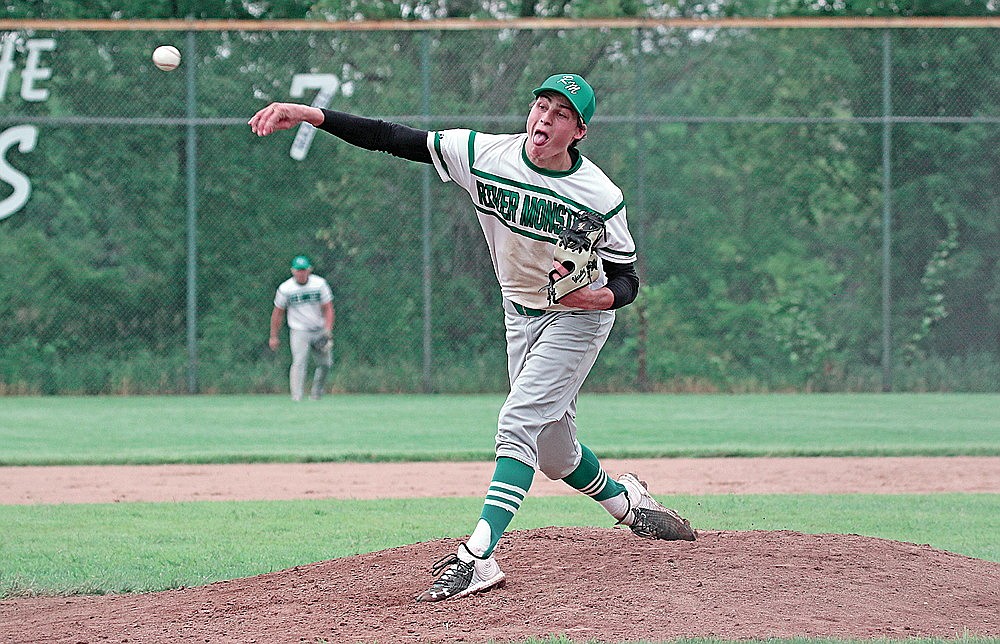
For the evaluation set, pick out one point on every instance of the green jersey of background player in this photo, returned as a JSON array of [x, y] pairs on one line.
[[527, 188]]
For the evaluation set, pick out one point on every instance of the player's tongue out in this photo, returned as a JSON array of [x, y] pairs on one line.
[[539, 138]]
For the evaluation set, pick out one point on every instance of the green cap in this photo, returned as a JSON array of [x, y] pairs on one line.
[[578, 91], [301, 263]]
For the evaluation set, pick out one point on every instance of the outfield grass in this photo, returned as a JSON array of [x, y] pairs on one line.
[[138, 547], [217, 429]]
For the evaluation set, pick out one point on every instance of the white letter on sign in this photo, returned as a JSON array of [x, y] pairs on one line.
[[33, 72], [327, 85], [25, 136]]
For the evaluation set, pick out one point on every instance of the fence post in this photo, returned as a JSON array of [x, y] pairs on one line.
[[425, 108], [642, 217], [886, 210], [191, 165]]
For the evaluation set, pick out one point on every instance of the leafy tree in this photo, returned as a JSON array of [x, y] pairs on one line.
[[751, 161]]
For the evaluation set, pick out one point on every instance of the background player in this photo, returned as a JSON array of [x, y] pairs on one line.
[[308, 301], [526, 188]]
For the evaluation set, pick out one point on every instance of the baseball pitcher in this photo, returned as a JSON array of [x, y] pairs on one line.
[[564, 258]]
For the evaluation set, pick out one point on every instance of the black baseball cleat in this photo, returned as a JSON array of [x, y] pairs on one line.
[[462, 574], [647, 518]]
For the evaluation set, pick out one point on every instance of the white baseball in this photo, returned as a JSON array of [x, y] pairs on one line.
[[166, 57]]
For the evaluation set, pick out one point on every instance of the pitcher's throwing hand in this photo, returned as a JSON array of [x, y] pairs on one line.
[[283, 116]]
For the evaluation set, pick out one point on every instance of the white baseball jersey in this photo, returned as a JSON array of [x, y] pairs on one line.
[[522, 208], [303, 303]]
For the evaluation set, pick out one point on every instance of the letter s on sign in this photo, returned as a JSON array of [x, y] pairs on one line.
[[26, 136]]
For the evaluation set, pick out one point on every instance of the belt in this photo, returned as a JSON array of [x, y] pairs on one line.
[[523, 310]]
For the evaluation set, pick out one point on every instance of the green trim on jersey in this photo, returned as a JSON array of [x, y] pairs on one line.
[[614, 211], [616, 252], [437, 150], [552, 173]]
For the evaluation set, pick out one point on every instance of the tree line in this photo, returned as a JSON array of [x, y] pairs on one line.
[[752, 163]]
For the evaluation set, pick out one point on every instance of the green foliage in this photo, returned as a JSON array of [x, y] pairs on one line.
[[758, 230], [199, 9], [342, 10], [874, 8]]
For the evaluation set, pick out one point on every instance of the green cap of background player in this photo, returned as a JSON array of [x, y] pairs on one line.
[[578, 91], [301, 263]]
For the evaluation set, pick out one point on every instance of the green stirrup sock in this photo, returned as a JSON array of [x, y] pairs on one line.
[[511, 482], [591, 479]]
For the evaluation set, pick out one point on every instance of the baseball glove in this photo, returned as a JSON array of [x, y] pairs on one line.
[[322, 341], [575, 250]]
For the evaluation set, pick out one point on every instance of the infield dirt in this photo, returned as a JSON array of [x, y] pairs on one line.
[[585, 583]]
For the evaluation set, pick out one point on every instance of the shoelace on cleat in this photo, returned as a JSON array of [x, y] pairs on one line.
[[641, 524], [452, 570]]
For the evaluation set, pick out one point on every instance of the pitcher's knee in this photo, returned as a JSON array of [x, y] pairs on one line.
[[558, 450], [555, 468]]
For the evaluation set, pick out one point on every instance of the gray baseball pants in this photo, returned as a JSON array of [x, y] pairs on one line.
[[303, 344], [548, 358]]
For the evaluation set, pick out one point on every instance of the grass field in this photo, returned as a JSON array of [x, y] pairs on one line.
[[220, 429], [134, 547], [137, 547]]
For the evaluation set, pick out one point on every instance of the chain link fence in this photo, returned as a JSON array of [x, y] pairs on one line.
[[815, 209]]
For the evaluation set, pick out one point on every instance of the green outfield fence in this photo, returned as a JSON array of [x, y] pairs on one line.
[[815, 201]]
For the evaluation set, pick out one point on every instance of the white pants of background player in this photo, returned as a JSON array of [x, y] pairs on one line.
[[303, 343], [548, 359]]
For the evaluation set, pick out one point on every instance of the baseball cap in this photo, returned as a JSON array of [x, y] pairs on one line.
[[578, 91], [301, 263]]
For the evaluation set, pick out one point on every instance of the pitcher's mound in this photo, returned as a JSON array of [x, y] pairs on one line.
[[584, 583]]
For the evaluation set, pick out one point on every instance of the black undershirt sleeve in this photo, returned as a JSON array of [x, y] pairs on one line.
[[623, 282], [374, 134]]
